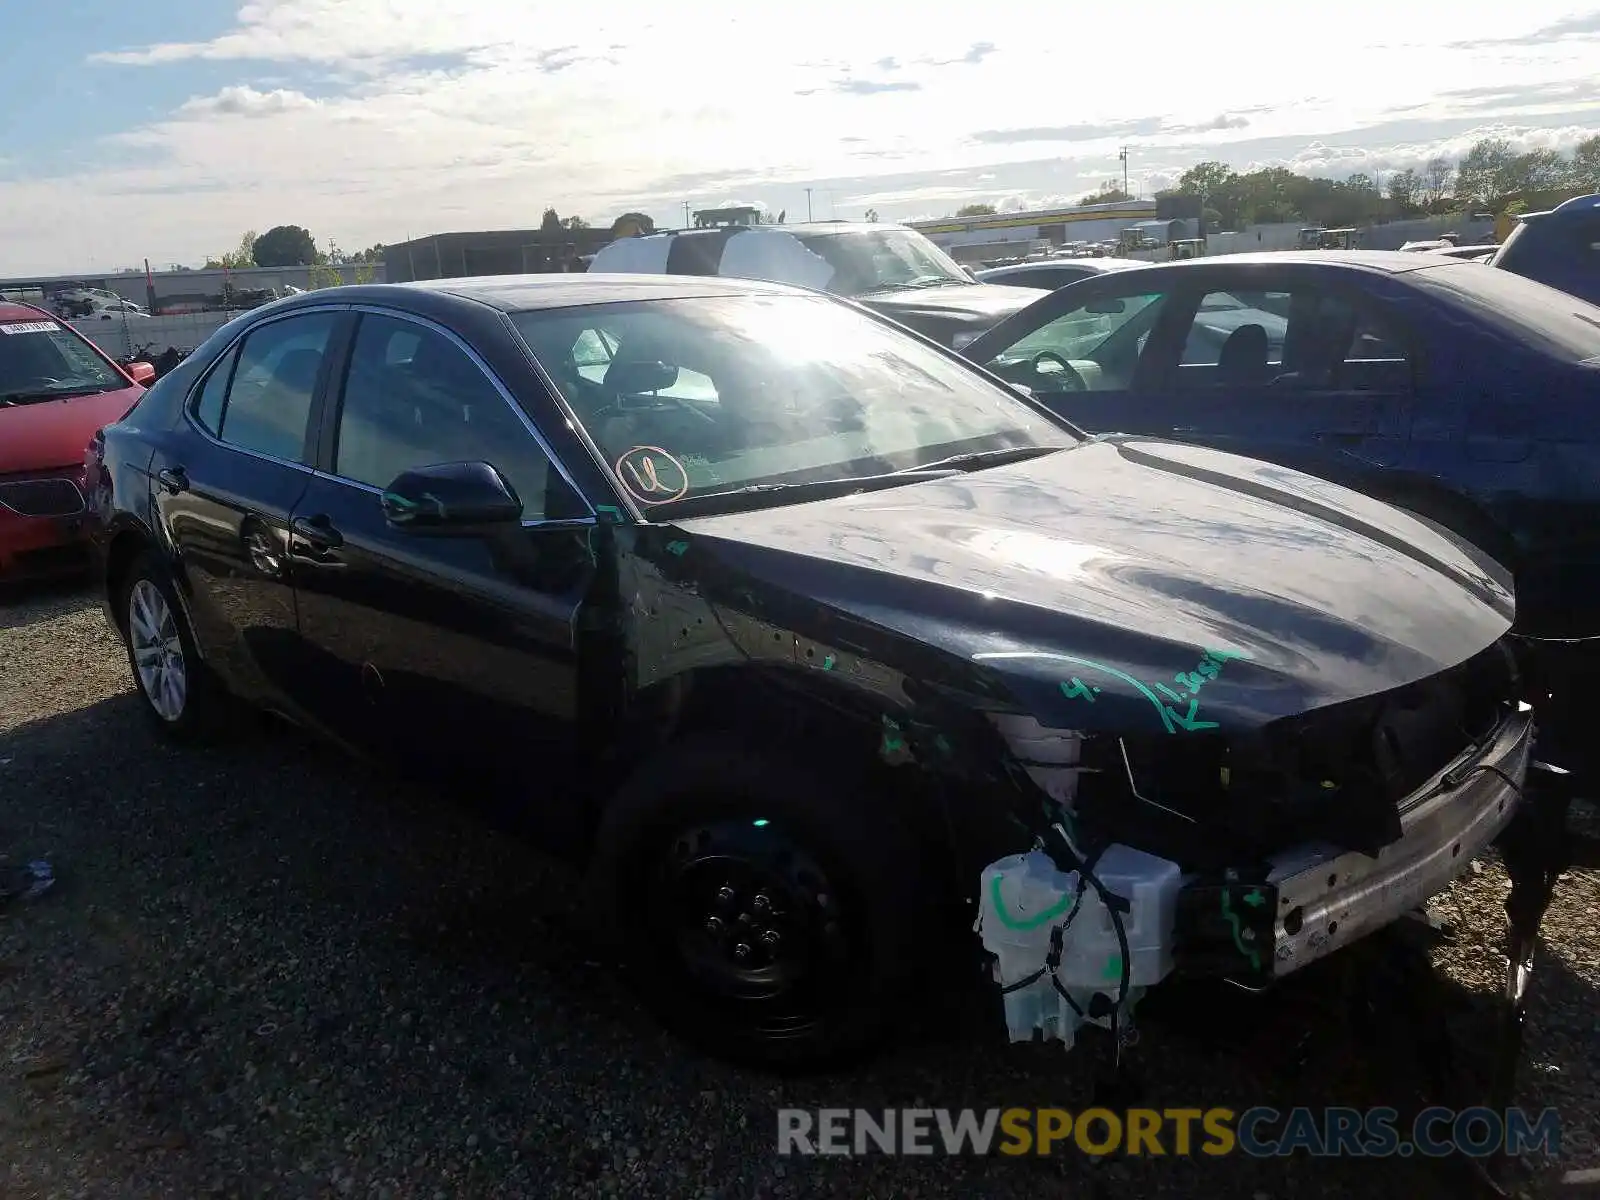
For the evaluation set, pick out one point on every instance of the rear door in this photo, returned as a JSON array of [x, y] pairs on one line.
[[448, 647], [1301, 372], [225, 487]]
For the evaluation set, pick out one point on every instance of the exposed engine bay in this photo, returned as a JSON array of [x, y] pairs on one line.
[[1244, 856]]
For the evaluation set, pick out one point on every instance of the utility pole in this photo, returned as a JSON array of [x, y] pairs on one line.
[[686, 214], [1124, 157], [808, 204]]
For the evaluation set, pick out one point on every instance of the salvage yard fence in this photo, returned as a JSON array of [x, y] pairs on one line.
[[122, 336]]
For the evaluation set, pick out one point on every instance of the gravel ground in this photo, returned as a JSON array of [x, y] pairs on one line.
[[264, 971]]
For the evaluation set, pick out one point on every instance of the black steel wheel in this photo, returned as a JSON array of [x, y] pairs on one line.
[[768, 914]]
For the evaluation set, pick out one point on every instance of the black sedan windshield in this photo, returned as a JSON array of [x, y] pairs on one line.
[[41, 359], [691, 397]]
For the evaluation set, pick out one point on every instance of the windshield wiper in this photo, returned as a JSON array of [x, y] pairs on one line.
[[792, 493], [914, 285], [928, 281], [977, 459]]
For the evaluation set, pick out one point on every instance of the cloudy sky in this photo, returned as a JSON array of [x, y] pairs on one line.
[[164, 128]]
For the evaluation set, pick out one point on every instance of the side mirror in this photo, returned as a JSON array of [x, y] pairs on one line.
[[142, 373], [460, 497], [1106, 308], [635, 377]]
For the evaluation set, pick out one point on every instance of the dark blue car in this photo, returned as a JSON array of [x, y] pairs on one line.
[[1467, 394], [1560, 247]]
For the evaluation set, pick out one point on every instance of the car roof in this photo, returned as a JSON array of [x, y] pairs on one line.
[[790, 227], [1392, 262], [1066, 264], [1578, 204], [519, 293]]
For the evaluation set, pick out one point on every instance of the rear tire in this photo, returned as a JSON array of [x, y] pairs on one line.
[[177, 691], [768, 912]]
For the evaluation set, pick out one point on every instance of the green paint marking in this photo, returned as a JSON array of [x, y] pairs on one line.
[[1238, 940], [1010, 922], [616, 513], [1254, 898], [827, 663], [399, 501], [1113, 968], [892, 740], [1075, 688], [677, 548], [1171, 711]]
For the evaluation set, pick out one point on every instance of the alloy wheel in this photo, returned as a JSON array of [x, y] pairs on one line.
[[157, 650]]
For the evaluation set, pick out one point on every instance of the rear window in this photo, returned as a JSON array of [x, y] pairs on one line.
[[1560, 324], [42, 359]]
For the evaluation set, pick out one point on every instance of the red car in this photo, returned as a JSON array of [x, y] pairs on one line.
[[57, 389]]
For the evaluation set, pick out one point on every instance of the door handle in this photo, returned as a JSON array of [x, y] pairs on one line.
[[318, 532], [1185, 429], [173, 479]]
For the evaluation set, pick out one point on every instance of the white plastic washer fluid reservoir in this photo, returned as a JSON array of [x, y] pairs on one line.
[[1025, 897]]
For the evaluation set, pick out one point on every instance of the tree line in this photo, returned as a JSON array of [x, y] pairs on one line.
[[1493, 176], [293, 246]]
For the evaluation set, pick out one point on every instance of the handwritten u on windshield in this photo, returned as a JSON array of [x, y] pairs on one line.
[[640, 475]]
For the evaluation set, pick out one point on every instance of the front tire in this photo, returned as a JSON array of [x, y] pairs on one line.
[[769, 913], [177, 691]]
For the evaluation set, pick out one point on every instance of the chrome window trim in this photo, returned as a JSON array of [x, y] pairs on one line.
[[192, 398]]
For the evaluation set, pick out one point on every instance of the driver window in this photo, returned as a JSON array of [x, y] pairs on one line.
[[412, 398], [1094, 347]]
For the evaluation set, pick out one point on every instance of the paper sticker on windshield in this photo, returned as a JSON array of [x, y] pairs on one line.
[[30, 327], [652, 475]]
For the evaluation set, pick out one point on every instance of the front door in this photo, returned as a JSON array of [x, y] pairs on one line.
[[1081, 352], [452, 649], [225, 487]]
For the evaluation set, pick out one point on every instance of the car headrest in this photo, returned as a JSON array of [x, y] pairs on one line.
[[1244, 354]]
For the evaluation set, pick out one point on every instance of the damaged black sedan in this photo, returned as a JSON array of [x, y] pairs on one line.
[[829, 641]]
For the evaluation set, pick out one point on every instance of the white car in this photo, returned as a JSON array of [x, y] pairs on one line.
[[114, 310], [890, 269]]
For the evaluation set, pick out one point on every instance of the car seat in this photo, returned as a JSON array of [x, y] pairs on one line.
[[1243, 360]]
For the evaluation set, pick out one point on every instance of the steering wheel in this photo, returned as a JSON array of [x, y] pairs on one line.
[[1068, 372]]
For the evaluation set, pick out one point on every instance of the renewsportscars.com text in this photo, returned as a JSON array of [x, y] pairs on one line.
[[1258, 1132]]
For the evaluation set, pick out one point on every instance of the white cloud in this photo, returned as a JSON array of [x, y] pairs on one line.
[[1317, 159], [440, 114], [245, 101]]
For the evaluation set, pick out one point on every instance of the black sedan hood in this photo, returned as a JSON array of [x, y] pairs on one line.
[[1130, 584], [974, 306]]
